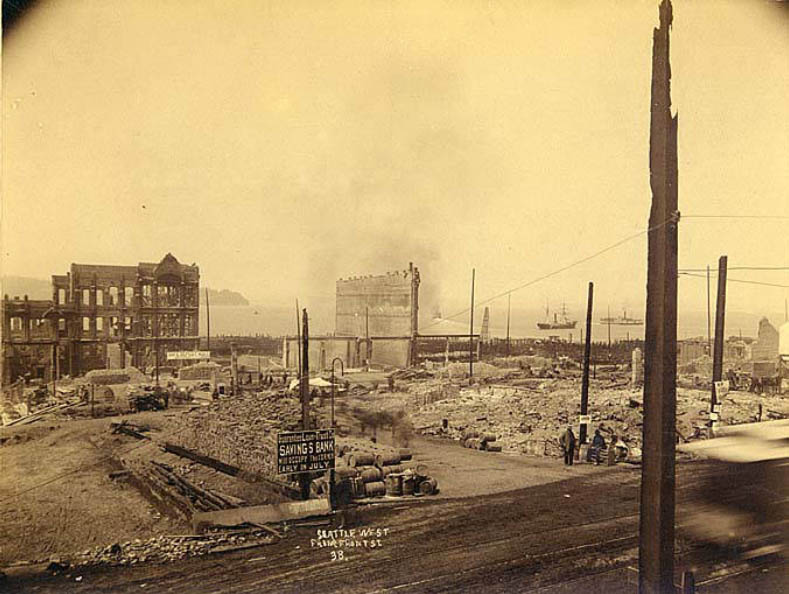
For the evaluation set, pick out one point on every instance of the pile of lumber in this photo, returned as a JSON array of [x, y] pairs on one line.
[[191, 496]]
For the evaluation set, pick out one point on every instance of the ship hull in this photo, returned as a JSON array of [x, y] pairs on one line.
[[549, 326]]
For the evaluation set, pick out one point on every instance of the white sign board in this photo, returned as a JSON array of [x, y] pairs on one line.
[[585, 419], [188, 355]]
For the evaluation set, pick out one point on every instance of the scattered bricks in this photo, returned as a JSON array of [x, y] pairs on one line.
[[240, 431]]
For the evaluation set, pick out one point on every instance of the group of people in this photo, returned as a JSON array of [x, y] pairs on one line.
[[568, 442]]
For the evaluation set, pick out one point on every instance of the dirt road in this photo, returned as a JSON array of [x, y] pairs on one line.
[[582, 528]]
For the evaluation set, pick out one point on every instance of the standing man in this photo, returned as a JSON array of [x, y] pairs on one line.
[[598, 445], [568, 445]]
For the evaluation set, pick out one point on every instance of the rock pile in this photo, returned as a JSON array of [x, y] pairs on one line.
[[240, 430], [530, 420], [162, 549]]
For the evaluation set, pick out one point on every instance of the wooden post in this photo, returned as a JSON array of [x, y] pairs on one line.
[[304, 480], [509, 299], [471, 330], [709, 315], [208, 319], [298, 336], [720, 318], [587, 353], [656, 529]]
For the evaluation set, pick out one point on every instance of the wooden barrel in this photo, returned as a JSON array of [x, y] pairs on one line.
[[387, 470], [375, 489], [408, 484], [428, 486], [394, 485], [361, 459], [370, 474], [405, 454], [342, 472], [488, 437], [415, 469], [387, 460], [357, 488], [494, 447], [470, 433]]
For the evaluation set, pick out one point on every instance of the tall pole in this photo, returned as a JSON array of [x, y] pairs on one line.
[[709, 323], [471, 330], [208, 318], [509, 299], [298, 335], [608, 319], [367, 343], [156, 346], [587, 354], [304, 480], [55, 366], [720, 318], [658, 480]]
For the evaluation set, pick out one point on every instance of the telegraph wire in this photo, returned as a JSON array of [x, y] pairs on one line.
[[557, 271], [735, 280], [762, 268], [758, 217]]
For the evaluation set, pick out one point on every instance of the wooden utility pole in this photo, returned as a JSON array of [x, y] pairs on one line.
[[208, 318], [304, 479], [509, 299], [298, 336], [656, 526], [608, 319], [720, 318], [471, 330], [709, 323], [234, 368], [587, 354]]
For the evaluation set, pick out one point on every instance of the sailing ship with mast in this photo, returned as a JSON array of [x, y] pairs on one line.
[[560, 322]]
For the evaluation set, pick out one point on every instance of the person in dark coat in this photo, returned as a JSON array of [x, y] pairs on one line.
[[568, 445], [598, 445]]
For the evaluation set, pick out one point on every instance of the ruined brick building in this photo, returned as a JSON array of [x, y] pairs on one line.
[[377, 321], [102, 317]]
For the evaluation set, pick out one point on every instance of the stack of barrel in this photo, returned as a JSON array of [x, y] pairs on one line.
[[480, 441], [391, 473]]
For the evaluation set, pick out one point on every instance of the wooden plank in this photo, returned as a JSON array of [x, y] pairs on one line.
[[262, 514], [243, 475]]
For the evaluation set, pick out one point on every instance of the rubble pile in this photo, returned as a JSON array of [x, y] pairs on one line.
[[481, 370], [530, 420], [162, 549], [240, 431]]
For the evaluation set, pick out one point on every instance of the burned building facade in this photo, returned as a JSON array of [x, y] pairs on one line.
[[383, 309], [377, 321], [102, 317]]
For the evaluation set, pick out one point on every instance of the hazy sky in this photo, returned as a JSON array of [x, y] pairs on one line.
[[281, 145]]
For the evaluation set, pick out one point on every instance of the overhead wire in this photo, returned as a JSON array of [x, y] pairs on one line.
[[762, 268], [555, 272], [736, 280]]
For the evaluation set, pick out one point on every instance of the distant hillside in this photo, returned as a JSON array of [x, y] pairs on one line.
[[224, 297], [19, 286]]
